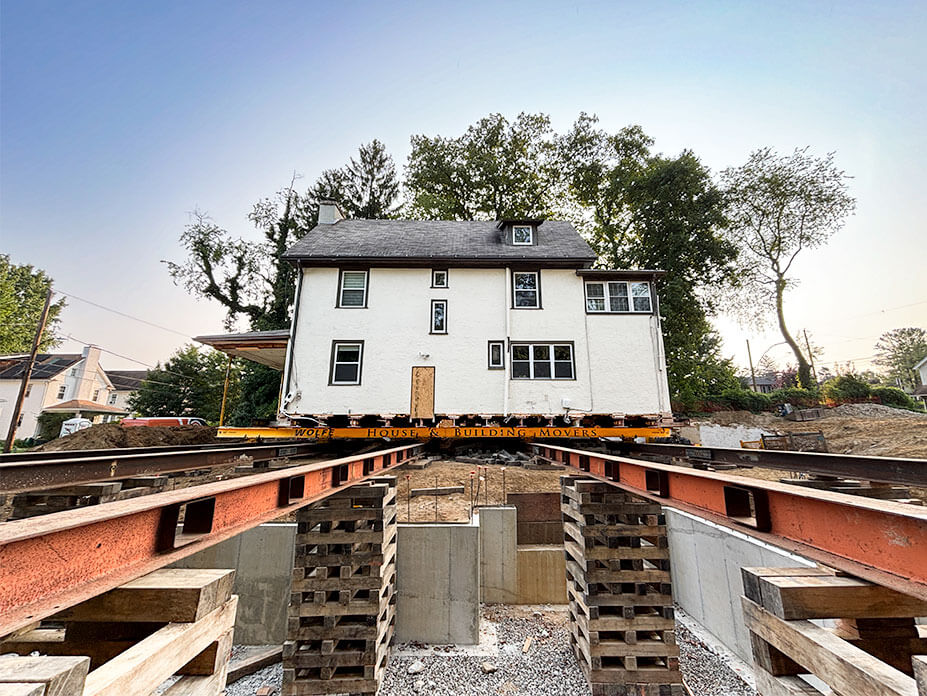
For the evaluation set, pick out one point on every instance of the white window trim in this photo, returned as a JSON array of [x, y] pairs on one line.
[[335, 362], [496, 365], [341, 289], [531, 361], [62, 391], [435, 303], [112, 398], [607, 297], [530, 229], [447, 278], [536, 291]]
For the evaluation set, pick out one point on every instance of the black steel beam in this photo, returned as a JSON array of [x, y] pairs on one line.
[[897, 470]]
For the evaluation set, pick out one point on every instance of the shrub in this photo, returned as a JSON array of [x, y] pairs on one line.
[[894, 397], [745, 400], [803, 398], [846, 388]]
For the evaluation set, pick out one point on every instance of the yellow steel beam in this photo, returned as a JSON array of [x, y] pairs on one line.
[[413, 433]]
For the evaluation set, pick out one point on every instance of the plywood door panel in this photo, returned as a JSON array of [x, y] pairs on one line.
[[423, 393]]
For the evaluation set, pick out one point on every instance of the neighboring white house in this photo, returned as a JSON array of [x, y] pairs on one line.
[[59, 383], [921, 391], [427, 320], [124, 382]]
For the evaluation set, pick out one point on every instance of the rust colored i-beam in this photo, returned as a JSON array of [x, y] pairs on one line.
[[52, 562], [881, 541]]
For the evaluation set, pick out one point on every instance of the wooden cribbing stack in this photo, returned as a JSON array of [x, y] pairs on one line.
[[128, 641], [618, 584], [872, 649], [68, 497], [342, 603]]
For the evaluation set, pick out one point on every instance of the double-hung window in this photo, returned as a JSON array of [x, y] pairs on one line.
[[526, 289], [522, 235], [618, 296], [439, 279], [439, 316], [347, 357], [353, 289], [112, 399], [61, 391], [542, 361]]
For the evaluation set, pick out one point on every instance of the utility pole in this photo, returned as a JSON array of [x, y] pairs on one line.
[[810, 357], [750, 358], [8, 446], [225, 391]]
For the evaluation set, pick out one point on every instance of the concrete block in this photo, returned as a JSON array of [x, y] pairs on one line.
[[498, 561], [438, 583], [541, 575], [263, 560]]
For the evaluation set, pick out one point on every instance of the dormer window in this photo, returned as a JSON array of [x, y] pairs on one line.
[[522, 235]]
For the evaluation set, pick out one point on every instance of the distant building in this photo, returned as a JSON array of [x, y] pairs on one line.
[[125, 382], [921, 391], [764, 383], [59, 383]]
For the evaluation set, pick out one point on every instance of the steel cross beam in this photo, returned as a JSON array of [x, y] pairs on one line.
[[55, 561], [905, 471], [32, 471], [882, 541]]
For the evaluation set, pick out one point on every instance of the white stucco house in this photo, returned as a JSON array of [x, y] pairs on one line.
[[482, 321], [59, 383], [921, 391]]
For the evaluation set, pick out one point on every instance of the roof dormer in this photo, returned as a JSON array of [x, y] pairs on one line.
[[519, 232]]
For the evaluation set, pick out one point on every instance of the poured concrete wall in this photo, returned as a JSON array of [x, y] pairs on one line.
[[541, 575], [706, 559], [263, 561], [438, 583], [498, 560]]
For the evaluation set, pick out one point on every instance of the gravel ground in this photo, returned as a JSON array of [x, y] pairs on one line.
[[709, 670]]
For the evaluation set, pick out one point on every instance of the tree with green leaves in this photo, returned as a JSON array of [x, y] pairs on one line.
[[779, 205], [23, 290], [497, 169], [650, 211], [898, 351], [190, 384]]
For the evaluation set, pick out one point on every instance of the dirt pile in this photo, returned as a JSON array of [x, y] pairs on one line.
[[113, 435]]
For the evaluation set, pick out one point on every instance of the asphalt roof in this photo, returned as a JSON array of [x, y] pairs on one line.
[[46, 366], [126, 379], [437, 239]]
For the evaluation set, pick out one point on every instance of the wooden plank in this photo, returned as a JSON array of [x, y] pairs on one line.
[[141, 668], [835, 597], [768, 685], [59, 676], [166, 595], [751, 577], [847, 669], [423, 393], [919, 662], [212, 659], [22, 689]]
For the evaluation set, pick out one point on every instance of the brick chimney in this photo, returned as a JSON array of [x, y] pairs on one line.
[[329, 212]]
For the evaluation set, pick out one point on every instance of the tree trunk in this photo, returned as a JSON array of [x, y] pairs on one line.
[[804, 368]]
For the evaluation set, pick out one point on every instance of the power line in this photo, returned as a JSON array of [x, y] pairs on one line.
[[126, 357], [123, 314]]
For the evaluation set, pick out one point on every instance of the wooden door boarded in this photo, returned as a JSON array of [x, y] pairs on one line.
[[423, 393]]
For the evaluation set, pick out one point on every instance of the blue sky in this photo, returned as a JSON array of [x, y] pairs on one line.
[[118, 118]]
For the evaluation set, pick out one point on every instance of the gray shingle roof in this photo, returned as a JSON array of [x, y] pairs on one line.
[[437, 239], [46, 365], [126, 380]]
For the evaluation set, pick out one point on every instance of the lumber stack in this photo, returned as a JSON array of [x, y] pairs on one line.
[[67, 497], [871, 650], [620, 595], [128, 641], [342, 605]]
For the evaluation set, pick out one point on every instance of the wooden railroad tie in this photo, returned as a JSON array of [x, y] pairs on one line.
[[128, 641], [872, 649]]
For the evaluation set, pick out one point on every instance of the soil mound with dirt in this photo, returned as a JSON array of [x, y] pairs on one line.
[[871, 411], [113, 435]]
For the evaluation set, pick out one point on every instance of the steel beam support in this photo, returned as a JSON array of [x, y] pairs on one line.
[[900, 471], [32, 473], [882, 541], [55, 561]]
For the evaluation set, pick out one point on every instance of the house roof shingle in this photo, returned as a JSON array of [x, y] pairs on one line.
[[126, 380], [46, 366], [83, 405], [433, 240]]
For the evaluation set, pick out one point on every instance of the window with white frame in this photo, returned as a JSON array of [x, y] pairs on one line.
[[542, 361], [353, 290], [346, 362], [62, 390], [522, 235], [618, 296], [439, 279], [497, 355], [112, 399], [439, 316], [526, 289]]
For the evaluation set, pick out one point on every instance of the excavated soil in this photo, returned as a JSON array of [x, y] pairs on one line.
[[113, 435]]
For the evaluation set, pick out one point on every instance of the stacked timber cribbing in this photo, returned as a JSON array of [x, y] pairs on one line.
[[618, 584], [342, 605]]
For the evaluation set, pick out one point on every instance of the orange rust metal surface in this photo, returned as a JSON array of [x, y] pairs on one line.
[[882, 541], [52, 562]]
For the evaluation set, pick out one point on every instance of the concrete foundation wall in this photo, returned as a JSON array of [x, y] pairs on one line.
[[263, 560], [541, 575], [498, 561], [438, 583], [706, 559]]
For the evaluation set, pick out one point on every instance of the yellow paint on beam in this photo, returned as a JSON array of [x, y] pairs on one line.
[[414, 433]]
